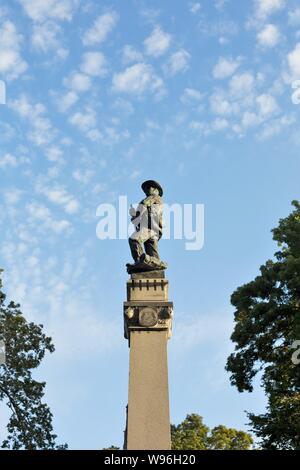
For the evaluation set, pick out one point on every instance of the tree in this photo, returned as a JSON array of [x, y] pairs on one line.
[[223, 438], [193, 434], [267, 323], [190, 434], [30, 423]]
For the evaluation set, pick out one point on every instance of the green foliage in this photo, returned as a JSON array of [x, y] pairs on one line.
[[223, 438], [193, 434], [267, 322], [190, 434], [30, 423]]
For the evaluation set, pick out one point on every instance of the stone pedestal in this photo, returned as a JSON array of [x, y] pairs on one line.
[[147, 326]]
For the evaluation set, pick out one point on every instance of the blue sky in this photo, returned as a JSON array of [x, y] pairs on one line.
[[100, 97]]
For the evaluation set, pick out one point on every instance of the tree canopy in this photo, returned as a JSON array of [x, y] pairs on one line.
[[267, 324], [193, 434], [30, 423]]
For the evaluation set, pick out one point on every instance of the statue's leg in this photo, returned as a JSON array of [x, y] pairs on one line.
[[135, 248], [151, 247]]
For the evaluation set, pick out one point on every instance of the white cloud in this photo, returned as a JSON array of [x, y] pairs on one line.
[[224, 29], [195, 7], [84, 120], [78, 82], [66, 101], [210, 328], [223, 40], [294, 17], [267, 105], [46, 32], [137, 79], [111, 135], [44, 36], [41, 133], [157, 43], [269, 36], [41, 214], [150, 15], [94, 64], [59, 195], [25, 109], [123, 106], [275, 127], [94, 134], [41, 10], [130, 54], [178, 62], [11, 63], [241, 105], [250, 119], [7, 131], [190, 95], [83, 176], [294, 62], [45, 16], [8, 160], [54, 154], [219, 124], [62, 53], [200, 127], [226, 67], [221, 105], [42, 129], [59, 286], [241, 84], [102, 26], [220, 4], [12, 196], [265, 8]]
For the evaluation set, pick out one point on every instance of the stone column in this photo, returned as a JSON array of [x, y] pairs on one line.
[[148, 324]]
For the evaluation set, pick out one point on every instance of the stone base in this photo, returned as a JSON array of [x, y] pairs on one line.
[[147, 325], [148, 316], [147, 305], [148, 424], [146, 263]]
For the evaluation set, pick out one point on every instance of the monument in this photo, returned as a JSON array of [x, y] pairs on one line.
[[147, 327]]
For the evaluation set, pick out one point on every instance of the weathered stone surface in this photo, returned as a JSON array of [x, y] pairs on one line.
[[146, 263], [143, 292], [147, 289], [147, 325], [134, 314], [148, 425], [148, 223], [149, 275]]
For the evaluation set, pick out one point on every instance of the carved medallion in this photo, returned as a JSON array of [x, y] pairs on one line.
[[148, 317]]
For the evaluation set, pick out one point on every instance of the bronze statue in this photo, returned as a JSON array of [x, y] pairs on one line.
[[147, 219]]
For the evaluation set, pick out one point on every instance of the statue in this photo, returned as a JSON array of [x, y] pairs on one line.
[[147, 219]]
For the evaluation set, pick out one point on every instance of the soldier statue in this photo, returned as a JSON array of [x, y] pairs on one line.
[[147, 219]]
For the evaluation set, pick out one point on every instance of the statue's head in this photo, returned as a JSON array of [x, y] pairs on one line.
[[152, 191], [152, 188]]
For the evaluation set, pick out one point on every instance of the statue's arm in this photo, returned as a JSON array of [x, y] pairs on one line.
[[136, 217], [148, 201]]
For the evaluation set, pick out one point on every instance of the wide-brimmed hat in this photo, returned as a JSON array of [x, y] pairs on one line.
[[153, 184]]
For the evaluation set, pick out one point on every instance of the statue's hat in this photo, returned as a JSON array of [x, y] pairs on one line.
[[153, 184]]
